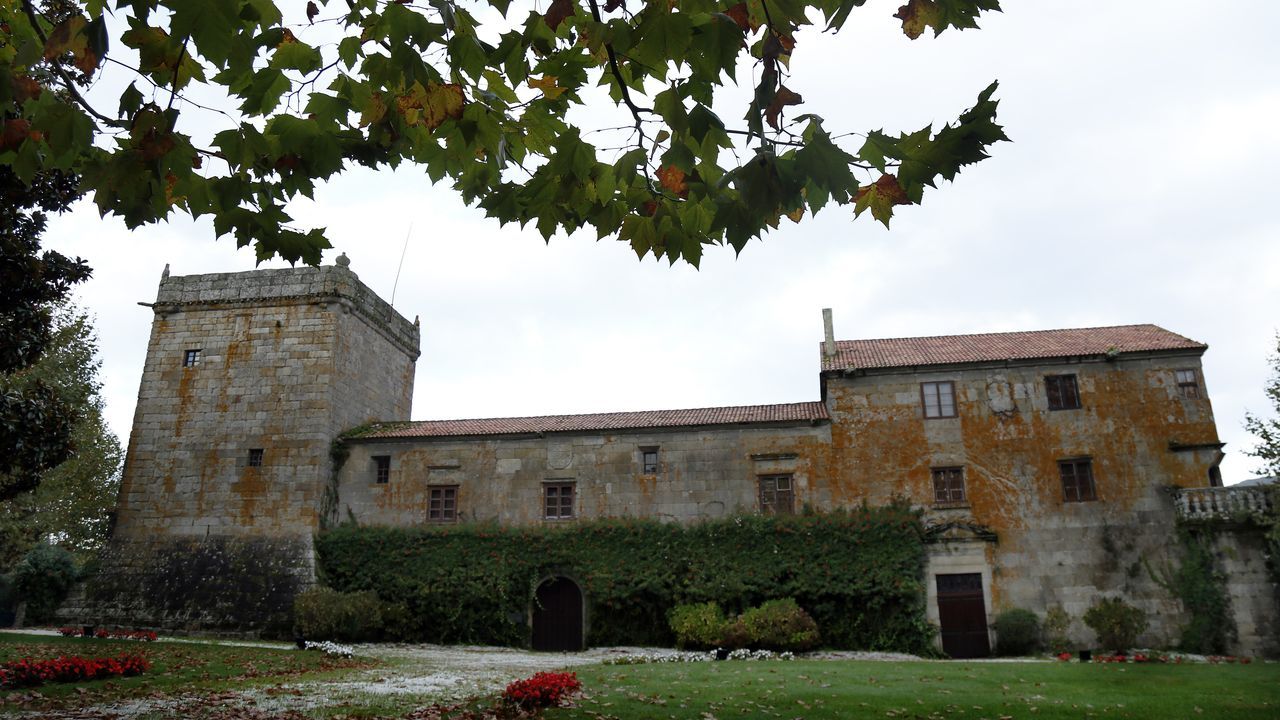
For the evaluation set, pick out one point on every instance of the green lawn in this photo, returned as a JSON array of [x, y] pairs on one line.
[[177, 669], [855, 689]]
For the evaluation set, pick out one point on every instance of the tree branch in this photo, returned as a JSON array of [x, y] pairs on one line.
[[68, 83]]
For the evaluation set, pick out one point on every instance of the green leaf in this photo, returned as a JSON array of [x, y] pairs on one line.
[[296, 56]]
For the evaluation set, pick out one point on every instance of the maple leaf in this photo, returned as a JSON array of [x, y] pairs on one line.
[[739, 14], [880, 197], [15, 131], [430, 106], [547, 84], [312, 11], [782, 98], [672, 178], [558, 12], [916, 15]]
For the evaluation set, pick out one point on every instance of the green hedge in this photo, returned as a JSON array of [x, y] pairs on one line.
[[858, 573]]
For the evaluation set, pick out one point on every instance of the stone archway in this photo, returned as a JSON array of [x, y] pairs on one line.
[[558, 615]]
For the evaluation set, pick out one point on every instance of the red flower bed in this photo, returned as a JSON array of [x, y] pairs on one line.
[[29, 673], [544, 689]]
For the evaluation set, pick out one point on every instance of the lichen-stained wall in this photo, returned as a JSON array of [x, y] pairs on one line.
[[287, 359], [702, 473], [1141, 434]]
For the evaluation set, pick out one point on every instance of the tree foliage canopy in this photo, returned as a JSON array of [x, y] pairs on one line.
[[490, 95], [1267, 430]]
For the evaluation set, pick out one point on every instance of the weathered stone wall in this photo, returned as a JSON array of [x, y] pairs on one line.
[[1241, 555], [287, 360], [703, 473], [1049, 551]]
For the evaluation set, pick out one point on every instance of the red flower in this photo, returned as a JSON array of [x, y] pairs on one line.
[[544, 689]]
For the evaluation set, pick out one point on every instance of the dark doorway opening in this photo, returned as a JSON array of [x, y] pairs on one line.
[[558, 616], [963, 616]]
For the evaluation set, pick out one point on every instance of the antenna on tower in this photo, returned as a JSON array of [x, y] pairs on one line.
[[403, 250]]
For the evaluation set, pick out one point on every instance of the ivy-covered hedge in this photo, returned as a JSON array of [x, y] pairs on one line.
[[858, 573]]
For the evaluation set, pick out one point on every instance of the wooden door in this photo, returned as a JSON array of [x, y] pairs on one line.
[[557, 616], [962, 613]]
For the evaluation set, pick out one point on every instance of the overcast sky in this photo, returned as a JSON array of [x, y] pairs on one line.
[[1140, 187]]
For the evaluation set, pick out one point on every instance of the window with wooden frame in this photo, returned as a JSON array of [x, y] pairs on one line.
[[649, 460], [1188, 385], [442, 504], [948, 485], [255, 457], [1063, 392], [557, 500], [776, 495], [1077, 480], [938, 399], [191, 358], [381, 469]]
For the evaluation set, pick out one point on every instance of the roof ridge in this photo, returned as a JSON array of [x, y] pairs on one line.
[[599, 414], [1016, 332]]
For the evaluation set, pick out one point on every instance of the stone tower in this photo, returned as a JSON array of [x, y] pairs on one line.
[[249, 378]]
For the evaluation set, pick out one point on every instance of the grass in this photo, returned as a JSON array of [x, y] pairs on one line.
[[178, 668], [853, 689]]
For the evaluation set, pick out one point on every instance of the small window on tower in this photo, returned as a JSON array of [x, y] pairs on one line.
[[255, 457], [649, 460], [191, 358], [381, 469], [1187, 384]]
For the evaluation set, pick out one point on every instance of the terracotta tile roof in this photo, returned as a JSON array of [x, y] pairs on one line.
[[994, 347], [744, 414]]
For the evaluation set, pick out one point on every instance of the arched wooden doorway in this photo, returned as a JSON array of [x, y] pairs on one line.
[[558, 615]]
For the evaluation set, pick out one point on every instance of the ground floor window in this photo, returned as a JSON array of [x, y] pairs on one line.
[[557, 500], [776, 496], [443, 503]]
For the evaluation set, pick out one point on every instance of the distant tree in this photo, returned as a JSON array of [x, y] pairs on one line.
[[71, 505], [35, 423], [1267, 430]]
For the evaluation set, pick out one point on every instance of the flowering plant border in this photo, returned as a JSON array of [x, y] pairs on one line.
[[27, 672], [542, 690]]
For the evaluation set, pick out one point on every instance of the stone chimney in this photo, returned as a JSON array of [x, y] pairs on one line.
[[829, 346]]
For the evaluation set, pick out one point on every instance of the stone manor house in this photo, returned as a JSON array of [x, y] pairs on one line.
[[1051, 466]]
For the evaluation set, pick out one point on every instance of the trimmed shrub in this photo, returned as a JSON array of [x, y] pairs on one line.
[[1117, 623], [1056, 624], [42, 579], [1017, 632], [323, 613], [699, 627], [858, 573], [780, 625]]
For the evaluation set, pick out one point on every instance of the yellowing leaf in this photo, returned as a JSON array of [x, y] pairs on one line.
[[374, 111], [431, 105], [67, 37], [916, 15], [781, 99], [547, 84], [880, 197]]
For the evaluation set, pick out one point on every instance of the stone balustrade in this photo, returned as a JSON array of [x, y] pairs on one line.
[[1223, 503]]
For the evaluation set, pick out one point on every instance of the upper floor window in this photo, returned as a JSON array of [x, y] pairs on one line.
[[255, 457], [939, 399], [1187, 383], [1077, 480], [443, 503], [557, 500], [649, 460], [1062, 391], [191, 358], [381, 469], [776, 496], [948, 485]]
